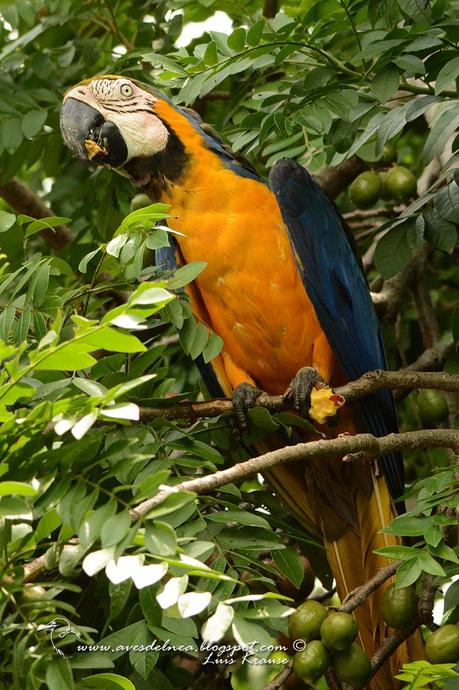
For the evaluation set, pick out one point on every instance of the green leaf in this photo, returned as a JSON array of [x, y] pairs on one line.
[[33, 122], [14, 507], [186, 274], [408, 526], [452, 596], [290, 564], [69, 359], [213, 348], [7, 220], [239, 517], [392, 253], [439, 232], [408, 573], [107, 681], [45, 223], [16, 489], [115, 529], [444, 126], [261, 418], [417, 10], [255, 33], [83, 265], [160, 539], [246, 632], [385, 83], [59, 675], [108, 338], [210, 56], [236, 40], [429, 564], [447, 75], [446, 202]]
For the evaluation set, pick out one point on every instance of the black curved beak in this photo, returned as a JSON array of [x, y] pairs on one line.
[[89, 136]]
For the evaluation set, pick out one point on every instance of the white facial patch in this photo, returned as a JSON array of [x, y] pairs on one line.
[[130, 108], [144, 133]]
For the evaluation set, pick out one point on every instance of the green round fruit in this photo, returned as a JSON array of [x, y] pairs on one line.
[[385, 194], [312, 661], [399, 607], [442, 647], [338, 631], [365, 189], [306, 620], [352, 666], [432, 406], [388, 155], [140, 201], [400, 183]]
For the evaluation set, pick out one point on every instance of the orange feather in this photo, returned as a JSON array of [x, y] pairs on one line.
[[251, 294]]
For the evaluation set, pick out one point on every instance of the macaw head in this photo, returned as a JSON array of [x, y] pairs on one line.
[[114, 121]]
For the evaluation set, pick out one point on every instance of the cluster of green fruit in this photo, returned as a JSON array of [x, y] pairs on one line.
[[399, 608], [329, 637], [395, 184]]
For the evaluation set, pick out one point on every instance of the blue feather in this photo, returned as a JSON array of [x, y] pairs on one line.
[[336, 285]]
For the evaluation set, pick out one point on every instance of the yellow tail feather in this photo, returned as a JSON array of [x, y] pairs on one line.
[[348, 504]]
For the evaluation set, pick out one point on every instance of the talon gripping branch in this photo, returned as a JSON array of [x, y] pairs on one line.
[[283, 288]]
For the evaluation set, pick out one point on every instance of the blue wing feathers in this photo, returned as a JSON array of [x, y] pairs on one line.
[[337, 287]]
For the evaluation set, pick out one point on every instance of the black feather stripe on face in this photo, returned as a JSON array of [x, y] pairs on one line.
[[168, 165]]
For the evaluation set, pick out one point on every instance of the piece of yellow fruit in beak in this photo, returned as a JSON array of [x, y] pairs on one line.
[[93, 149], [324, 403]]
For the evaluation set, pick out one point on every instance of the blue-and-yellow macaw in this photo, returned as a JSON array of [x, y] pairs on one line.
[[284, 289]]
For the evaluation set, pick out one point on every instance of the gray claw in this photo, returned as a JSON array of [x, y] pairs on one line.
[[299, 390], [244, 398]]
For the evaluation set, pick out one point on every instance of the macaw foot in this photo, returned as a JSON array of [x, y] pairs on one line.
[[313, 397], [300, 388], [244, 398]]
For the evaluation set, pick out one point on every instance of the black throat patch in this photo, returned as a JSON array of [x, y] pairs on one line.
[[155, 172]]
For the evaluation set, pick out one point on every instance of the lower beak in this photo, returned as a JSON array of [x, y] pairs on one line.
[[89, 136]]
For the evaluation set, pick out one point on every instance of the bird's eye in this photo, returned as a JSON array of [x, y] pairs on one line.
[[126, 90]]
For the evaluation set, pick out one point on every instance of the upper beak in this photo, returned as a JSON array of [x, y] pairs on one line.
[[89, 136]]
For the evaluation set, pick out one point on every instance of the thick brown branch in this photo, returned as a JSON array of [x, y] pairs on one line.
[[280, 679], [390, 299], [370, 213], [368, 383], [391, 643], [360, 594], [366, 445], [425, 312], [335, 180], [23, 200], [432, 359]]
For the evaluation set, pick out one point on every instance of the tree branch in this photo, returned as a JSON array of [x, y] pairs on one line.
[[360, 594], [281, 677], [23, 200], [334, 180], [365, 446], [389, 300], [366, 384], [425, 607]]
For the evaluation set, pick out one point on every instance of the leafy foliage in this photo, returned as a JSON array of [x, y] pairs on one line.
[[88, 337]]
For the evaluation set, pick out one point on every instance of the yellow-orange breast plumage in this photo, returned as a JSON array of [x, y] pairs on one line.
[[251, 288]]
